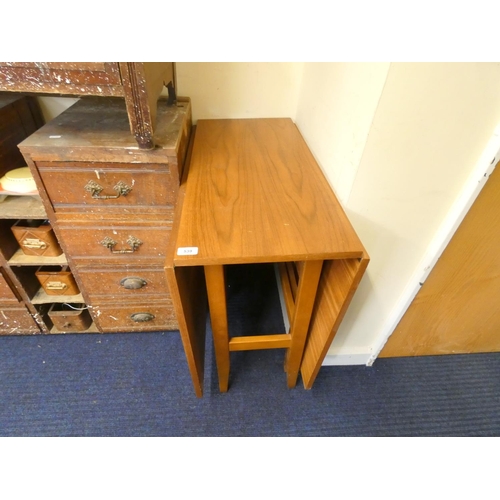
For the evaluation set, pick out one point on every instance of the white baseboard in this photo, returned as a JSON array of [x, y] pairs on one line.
[[347, 359]]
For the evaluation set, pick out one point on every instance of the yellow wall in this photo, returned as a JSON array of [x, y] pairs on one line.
[[240, 90]]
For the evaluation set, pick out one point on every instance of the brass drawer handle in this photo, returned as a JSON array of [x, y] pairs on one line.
[[132, 241], [55, 285], [95, 190], [34, 243], [142, 317], [133, 283]]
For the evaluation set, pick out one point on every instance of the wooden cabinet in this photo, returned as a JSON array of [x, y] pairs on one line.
[[24, 305], [139, 83], [111, 205]]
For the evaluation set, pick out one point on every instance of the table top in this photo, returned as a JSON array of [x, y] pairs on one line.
[[254, 194]]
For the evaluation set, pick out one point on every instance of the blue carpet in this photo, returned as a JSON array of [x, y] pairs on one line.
[[138, 384]]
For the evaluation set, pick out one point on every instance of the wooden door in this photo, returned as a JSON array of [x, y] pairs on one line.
[[457, 309]]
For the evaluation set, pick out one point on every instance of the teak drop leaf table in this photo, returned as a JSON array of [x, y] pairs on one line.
[[253, 194]]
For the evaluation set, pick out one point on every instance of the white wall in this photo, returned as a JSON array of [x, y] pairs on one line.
[[396, 141], [431, 126], [334, 114]]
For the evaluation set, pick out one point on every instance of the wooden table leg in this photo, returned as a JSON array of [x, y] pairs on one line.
[[216, 289], [304, 303]]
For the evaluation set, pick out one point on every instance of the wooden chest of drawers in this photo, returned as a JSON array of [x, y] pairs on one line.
[[111, 205]]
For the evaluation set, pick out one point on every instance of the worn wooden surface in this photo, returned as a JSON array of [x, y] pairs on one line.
[[83, 241], [41, 297], [118, 317], [139, 83], [107, 282], [74, 318], [22, 207], [17, 321], [148, 186], [19, 258], [7, 295], [90, 141], [97, 130], [256, 194], [68, 78], [142, 85]]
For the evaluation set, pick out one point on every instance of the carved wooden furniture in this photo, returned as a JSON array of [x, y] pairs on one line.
[[111, 206], [254, 194], [139, 83]]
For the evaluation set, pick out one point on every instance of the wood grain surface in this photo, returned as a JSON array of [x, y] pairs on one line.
[[338, 283], [188, 292], [256, 194]]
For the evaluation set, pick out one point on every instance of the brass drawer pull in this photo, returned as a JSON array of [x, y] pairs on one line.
[[34, 243], [132, 241], [133, 283], [142, 317], [56, 285], [95, 190]]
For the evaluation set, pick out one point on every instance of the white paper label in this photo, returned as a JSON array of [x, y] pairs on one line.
[[55, 136], [187, 251]]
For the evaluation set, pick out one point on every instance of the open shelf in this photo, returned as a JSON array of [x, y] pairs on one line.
[[27, 308], [21, 259], [42, 297], [22, 207]]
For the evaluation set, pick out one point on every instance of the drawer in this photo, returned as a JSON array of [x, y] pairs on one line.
[[36, 237], [135, 316], [115, 242], [102, 187], [125, 283], [57, 280], [70, 317], [17, 321], [7, 296]]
